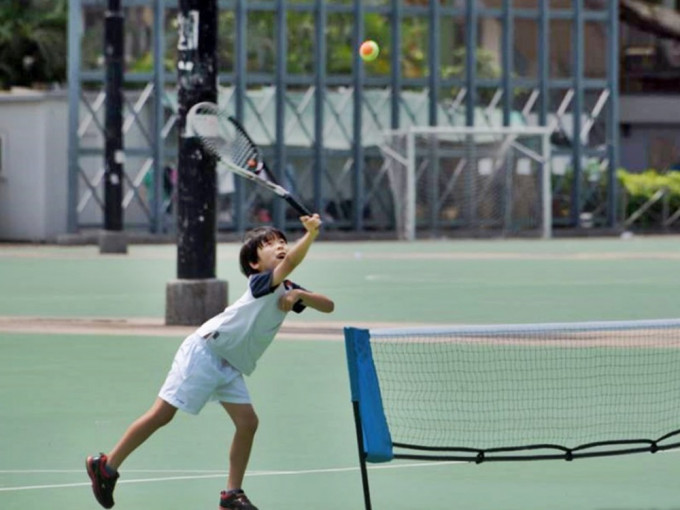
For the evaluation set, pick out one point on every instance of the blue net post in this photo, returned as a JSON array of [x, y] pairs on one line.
[[373, 437]]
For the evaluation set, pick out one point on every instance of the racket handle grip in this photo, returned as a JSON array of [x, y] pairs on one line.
[[300, 208]]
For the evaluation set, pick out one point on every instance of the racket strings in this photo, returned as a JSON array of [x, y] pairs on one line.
[[217, 146], [224, 138], [245, 155]]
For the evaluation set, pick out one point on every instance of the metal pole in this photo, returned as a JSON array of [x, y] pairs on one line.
[[544, 105], [434, 81], [240, 69], [357, 146], [113, 122], [319, 104], [158, 222], [546, 188], [197, 80], [471, 19], [434, 62], [410, 206], [362, 455], [74, 37], [111, 240], [543, 62], [278, 206], [395, 63], [508, 92], [197, 295], [613, 120], [578, 142]]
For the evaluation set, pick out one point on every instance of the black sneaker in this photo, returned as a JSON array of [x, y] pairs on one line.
[[102, 482], [235, 501]]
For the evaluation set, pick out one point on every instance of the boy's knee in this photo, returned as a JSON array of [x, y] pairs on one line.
[[253, 422], [164, 419], [248, 422], [160, 416]]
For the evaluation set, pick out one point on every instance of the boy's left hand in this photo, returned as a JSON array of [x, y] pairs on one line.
[[288, 300]]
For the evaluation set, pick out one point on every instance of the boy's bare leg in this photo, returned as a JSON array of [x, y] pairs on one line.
[[246, 421], [139, 431]]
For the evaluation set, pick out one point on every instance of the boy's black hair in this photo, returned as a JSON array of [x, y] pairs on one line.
[[253, 240]]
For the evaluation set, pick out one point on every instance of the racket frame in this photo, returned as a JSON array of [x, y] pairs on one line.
[[269, 182]]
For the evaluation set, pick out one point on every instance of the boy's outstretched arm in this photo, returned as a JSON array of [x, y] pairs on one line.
[[312, 299], [297, 252]]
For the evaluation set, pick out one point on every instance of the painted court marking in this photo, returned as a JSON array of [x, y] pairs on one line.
[[200, 474], [229, 251], [152, 326]]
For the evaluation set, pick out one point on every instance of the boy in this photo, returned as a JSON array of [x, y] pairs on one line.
[[211, 362]]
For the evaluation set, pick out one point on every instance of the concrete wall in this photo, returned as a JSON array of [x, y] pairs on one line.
[[650, 132], [33, 176]]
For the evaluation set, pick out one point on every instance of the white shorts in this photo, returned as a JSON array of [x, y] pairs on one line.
[[198, 375]]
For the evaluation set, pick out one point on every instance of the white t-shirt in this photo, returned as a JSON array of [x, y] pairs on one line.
[[244, 330]]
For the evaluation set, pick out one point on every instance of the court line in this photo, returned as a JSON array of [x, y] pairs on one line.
[[211, 474], [153, 326], [219, 474], [30, 252], [52, 471]]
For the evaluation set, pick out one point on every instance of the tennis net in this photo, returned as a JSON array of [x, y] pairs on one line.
[[516, 392]]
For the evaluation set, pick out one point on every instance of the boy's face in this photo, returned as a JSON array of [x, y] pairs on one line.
[[270, 254]]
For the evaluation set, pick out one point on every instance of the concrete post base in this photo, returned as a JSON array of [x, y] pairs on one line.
[[192, 302], [113, 241]]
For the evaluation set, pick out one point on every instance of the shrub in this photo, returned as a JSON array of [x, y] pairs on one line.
[[641, 188], [32, 42]]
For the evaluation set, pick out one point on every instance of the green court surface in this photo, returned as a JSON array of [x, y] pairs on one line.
[[64, 395]]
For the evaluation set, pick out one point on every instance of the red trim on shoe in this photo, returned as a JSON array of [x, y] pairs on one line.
[[102, 463]]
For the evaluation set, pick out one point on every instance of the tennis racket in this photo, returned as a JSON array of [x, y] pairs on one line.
[[227, 140]]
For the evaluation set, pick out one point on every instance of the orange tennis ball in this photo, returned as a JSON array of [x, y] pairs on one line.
[[369, 51]]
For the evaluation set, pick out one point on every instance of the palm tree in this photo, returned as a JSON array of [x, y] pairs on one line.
[[32, 42]]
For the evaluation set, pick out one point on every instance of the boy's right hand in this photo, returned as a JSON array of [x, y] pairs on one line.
[[298, 251], [311, 223]]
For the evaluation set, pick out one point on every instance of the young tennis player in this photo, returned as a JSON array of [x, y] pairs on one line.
[[211, 362]]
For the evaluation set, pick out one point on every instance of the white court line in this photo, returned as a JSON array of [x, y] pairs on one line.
[[212, 474], [220, 474], [37, 471]]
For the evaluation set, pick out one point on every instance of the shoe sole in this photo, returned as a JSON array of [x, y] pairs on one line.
[[95, 485]]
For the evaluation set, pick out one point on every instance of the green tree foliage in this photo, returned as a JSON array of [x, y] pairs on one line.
[[261, 40], [32, 42]]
